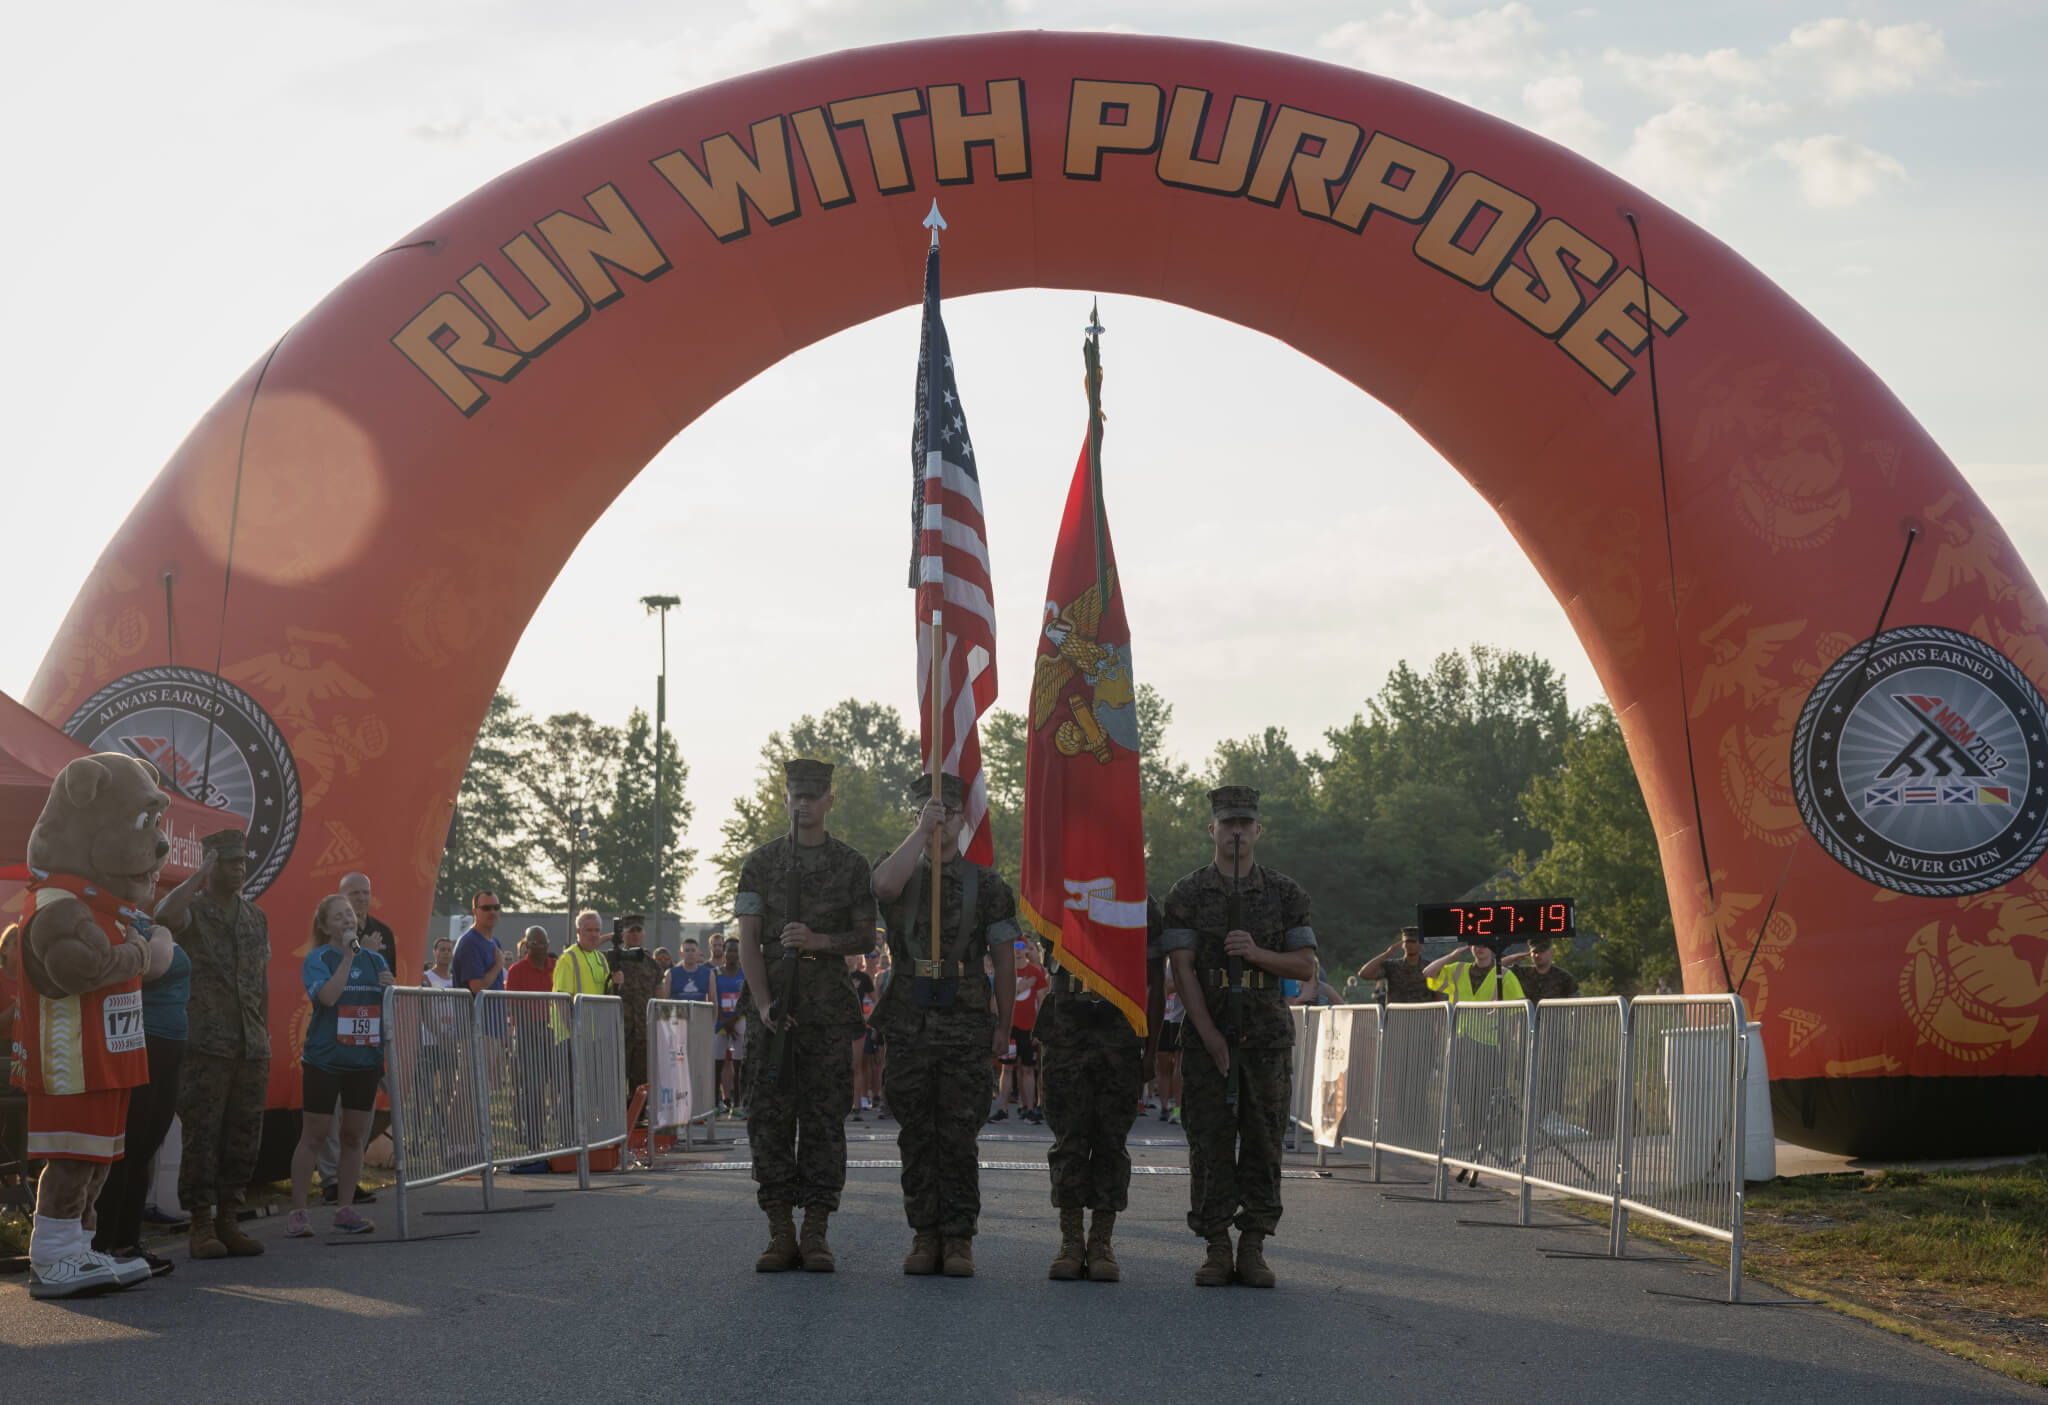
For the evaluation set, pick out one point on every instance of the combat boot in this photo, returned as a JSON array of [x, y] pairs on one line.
[[201, 1241], [1251, 1261], [923, 1257], [1072, 1260], [959, 1258], [781, 1253], [817, 1254], [227, 1228], [1102, 1264], [1216, 1269]]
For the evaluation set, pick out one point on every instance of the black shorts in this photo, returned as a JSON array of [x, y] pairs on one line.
[[1027, 1048], [357, 1089], [1169, 1036]]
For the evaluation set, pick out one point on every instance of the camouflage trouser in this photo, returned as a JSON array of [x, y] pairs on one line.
[[1090, 1094], [939, 1096], [1234, 1155], [220, 1107], [799, 1132]]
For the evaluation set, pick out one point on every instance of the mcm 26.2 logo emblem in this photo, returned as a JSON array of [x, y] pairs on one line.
[[1918, 763]]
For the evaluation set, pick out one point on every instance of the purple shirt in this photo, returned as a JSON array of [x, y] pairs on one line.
[[473, 956]]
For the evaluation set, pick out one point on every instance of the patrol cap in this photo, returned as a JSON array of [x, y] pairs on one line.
[[632, 920], [1411, 934], [1540, 943], [226, 844], [1233, 802], [951, 791], [807, 777]]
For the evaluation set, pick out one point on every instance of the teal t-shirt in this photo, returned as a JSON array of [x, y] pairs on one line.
[[349, 1034]]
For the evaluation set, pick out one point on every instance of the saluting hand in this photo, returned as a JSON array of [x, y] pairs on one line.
[[1239, 943]]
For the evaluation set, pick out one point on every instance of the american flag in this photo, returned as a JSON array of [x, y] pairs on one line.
[[949, 567]]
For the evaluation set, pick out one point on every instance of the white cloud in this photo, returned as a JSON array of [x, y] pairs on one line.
[[1556, 107], [1854, 59], [1421, 43], [1835, 172], [1689, 154], [1685, 75]]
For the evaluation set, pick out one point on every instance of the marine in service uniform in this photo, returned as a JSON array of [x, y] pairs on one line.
[[937, 1027], [1092, 1072], [1541, 977], [1400, 966], [796, 1120], [1234, 1151]]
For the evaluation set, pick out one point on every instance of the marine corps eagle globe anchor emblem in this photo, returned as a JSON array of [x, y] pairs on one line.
[[1092, 680]]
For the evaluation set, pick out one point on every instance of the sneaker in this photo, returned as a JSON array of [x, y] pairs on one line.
[[1001, 1114], [128, 1270], [72, 1275], [349, 1222], [1175, 1119], [298, 1225], [152, 1215], [158, 1266], [1162, 1112], [330, 1194]]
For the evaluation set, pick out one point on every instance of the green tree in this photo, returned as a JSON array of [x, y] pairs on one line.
[[624, 847], [875, 764], [1603, 853], [570, 772], [1003, 736], [489, 845]]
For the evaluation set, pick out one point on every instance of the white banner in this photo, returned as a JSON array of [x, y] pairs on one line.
[[668, 1080], [1332, 1071]]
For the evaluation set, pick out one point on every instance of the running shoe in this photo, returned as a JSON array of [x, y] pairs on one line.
[[349, 1222], [1001, 1114], [298, 1225], [1162, 1112], [1175, 1119]]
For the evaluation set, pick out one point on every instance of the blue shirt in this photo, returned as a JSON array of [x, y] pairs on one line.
[[473, 956], [689, 985], [348, 1034], [163, 999], [729, 988]]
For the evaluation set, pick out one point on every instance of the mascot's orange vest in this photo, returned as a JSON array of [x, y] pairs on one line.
[[91, 1042]]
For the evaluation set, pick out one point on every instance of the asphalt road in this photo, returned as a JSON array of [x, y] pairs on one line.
[[645, 1291]]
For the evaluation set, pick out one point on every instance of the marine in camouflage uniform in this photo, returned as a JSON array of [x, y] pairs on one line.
[[1538, 984], [640, 977], [797, 1122], [1400, 966], [1234, 1152], [1092, 1071], [226, 1072], [940, 1075]]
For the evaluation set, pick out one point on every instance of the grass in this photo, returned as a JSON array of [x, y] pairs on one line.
[[1957, 1259]]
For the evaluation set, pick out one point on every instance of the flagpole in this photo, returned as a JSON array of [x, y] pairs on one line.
[[1091, 357], [936, 222]]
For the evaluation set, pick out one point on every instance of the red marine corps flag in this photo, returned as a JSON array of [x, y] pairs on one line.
[[1084, 838]]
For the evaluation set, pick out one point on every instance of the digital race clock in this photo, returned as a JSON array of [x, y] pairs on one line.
[[1496, 923]]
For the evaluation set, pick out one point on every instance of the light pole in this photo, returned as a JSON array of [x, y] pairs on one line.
[[659, 605]]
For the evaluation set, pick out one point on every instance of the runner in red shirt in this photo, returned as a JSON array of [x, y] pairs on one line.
[[1032, 984], [535, 969]]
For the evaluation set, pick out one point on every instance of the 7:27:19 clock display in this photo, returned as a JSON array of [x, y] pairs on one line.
[[1498, 922]]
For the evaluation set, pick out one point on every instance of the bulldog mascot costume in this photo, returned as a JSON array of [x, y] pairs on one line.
[[86, 945]]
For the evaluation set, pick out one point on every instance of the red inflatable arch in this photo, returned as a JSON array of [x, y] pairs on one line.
[[1481, 282]]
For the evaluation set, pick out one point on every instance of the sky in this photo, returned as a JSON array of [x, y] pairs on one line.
[[189, 180]]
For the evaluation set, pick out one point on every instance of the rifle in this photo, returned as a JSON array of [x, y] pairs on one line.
[[781, 1049], [1233, 1003]]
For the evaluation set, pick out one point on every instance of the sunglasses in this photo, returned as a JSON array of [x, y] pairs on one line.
[[486, 907]]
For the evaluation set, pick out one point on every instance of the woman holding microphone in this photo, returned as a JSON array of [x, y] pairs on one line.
[[343, 1058]]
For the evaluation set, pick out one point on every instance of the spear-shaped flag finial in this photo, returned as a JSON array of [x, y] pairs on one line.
[[935, 222]]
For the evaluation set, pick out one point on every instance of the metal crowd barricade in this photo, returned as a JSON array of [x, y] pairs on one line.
[[693, 1023], [597, 1039], [1409, 1105], [1487, 1102], [1301, 1095], [1359, 1126], [523, 1053], [1683, 1128], [1576, 1125], [437, 1101]]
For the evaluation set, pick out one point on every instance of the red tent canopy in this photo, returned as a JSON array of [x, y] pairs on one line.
[[32, 752]]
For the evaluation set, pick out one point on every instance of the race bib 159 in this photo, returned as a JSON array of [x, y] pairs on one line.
[[357, 1025]]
